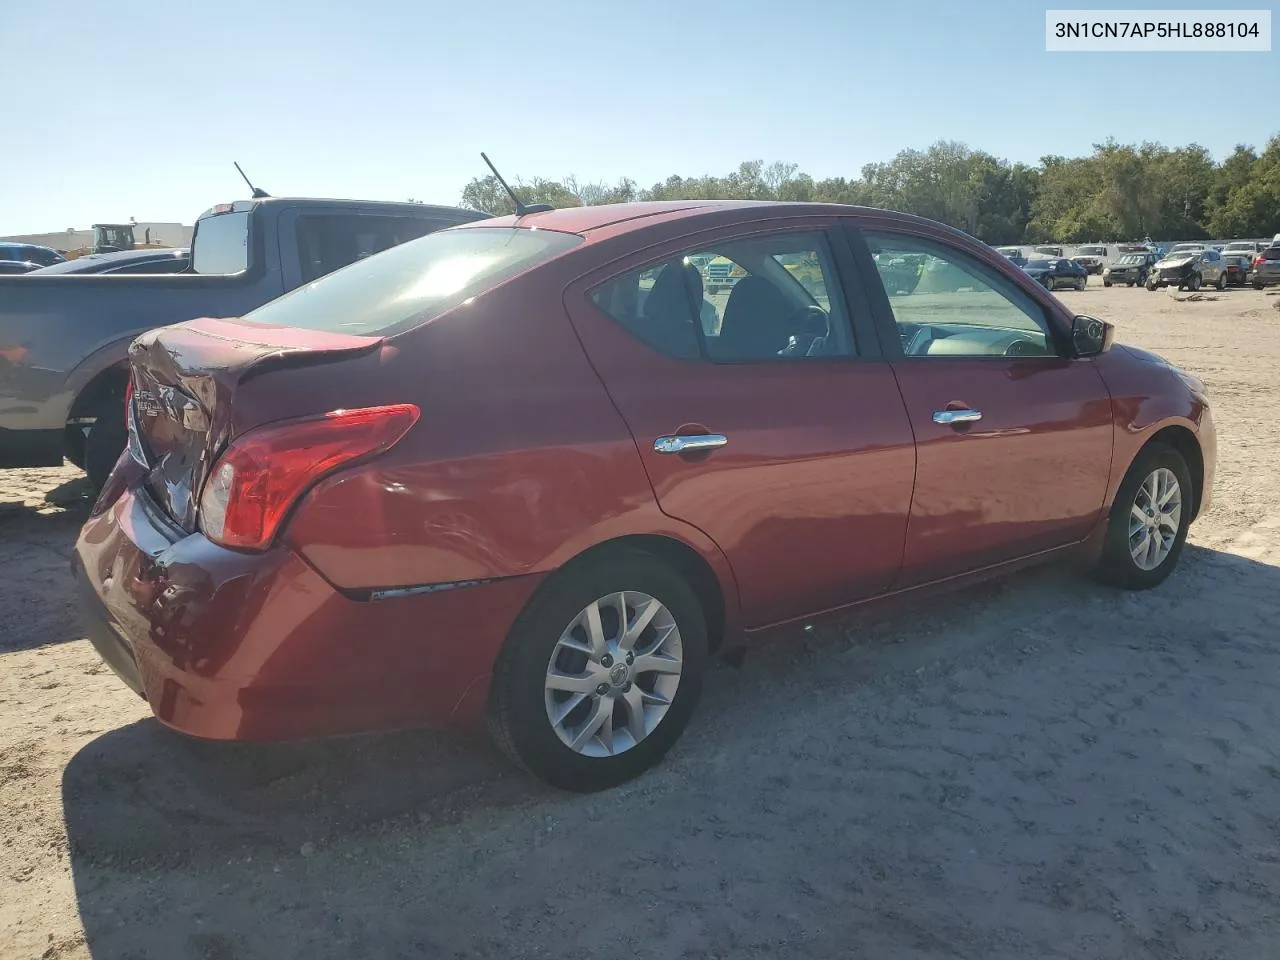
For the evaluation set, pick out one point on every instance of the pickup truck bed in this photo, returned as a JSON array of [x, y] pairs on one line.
[[63, 339]]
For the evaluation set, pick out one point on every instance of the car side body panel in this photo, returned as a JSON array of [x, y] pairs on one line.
[[532, 469]]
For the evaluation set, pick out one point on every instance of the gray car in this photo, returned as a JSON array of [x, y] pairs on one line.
[[1266, 269], [1189, 270]]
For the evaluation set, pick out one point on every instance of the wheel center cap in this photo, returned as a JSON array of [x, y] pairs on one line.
[[618, 674]]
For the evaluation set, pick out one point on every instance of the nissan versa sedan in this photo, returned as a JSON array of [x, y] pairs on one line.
[[502, 475]]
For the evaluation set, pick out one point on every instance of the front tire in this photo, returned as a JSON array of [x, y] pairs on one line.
[[1149, 520], [586, 696], [1222, 281], [1194, 284]]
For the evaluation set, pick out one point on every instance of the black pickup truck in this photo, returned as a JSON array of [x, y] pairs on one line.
[[63, 339]]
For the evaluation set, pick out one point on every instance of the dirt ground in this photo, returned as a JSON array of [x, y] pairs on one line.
[[1043, 768]]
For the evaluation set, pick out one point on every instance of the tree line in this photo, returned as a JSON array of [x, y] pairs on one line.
[[1119, 192]]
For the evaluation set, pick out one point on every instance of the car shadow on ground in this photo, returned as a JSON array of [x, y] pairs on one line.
[[166, 835]]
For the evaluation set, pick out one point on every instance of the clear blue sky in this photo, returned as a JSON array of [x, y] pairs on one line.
[[118, 108]]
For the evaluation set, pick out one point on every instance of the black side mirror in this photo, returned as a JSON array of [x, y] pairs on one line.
[[1091, 336]]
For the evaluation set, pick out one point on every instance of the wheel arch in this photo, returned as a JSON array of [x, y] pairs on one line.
[[1184, 441], [716, 597], [102, 385], [108, 383]]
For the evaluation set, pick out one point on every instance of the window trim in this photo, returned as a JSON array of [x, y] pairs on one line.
[[882, 309], [860, 325]]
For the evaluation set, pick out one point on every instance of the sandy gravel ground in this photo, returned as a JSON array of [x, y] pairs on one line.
[[1043, 768]]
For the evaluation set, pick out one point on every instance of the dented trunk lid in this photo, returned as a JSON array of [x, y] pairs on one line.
[[185, 382]]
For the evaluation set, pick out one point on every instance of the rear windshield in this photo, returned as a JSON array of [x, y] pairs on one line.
[[411, 283], [221, 244], [1093, 251]]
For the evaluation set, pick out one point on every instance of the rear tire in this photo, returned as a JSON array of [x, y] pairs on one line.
[[1257, 285], [104, 443], [1127, 532], [520, 703]]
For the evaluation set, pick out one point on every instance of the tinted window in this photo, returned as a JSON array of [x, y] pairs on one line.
[[759, 298], [415, 281], [42, 255], [221, 244], [957, 299], [329, 241]]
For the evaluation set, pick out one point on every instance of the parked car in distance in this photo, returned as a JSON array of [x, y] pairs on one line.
[[501, 475], [1238, 266], [65, 396], [1130, 269], [1057, 272], [29, 253], [1093, 257], [1189, 269], [155, 260], [1250, 248], [16, 267], [1266, 268], [1015, 255]]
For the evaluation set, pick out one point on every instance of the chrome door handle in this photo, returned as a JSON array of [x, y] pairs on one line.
[[687, 443], [949, 417]]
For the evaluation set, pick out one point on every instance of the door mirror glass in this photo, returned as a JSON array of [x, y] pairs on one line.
[[1091, 336]]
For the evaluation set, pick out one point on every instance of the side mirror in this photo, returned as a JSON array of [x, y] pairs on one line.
[[1091, 336]]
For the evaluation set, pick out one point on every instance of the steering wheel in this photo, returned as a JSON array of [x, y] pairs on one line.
[[809, 328]]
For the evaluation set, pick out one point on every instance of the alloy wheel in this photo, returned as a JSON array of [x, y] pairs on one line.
[[1154, 518], [613, 674]]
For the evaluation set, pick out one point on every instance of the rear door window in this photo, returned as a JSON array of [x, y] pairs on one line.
[[762, 298], [415, 281], [327, 242]]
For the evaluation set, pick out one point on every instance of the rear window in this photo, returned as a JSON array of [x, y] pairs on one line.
[[411, 283], [221, 244], [1093, 251]]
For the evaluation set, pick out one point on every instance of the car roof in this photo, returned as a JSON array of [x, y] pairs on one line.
[[23, 245], [613, 219], [95, 262], [382, 206]]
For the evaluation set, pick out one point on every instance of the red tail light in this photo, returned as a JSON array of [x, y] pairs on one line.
[[263, 473], [1258, 260]]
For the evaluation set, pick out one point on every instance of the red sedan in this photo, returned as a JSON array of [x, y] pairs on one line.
[[527, 471]]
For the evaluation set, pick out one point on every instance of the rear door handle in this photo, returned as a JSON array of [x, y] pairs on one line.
[[951, 417], [687, 443]]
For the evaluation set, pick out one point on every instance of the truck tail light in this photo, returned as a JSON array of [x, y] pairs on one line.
[[263, 473]]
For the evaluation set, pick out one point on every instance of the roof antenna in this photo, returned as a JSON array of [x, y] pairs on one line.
[[521, 208], [258, 192]]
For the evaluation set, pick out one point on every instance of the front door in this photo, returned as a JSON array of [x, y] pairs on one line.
[[762, 415], [1013, 439]]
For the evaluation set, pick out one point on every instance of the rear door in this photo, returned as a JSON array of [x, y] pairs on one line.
[[763, 413], [1013, 438]]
